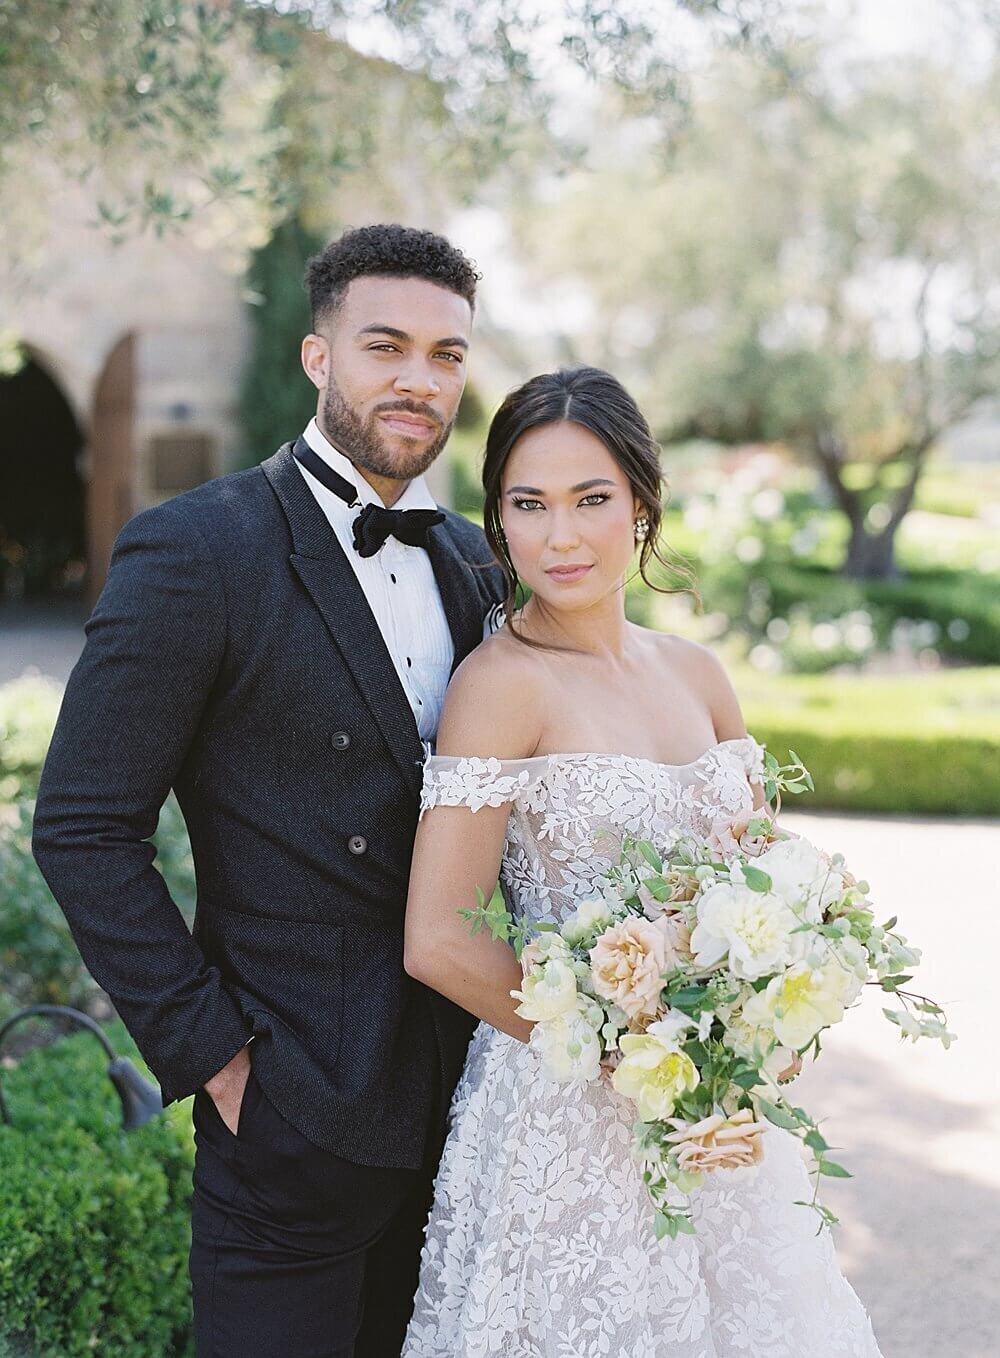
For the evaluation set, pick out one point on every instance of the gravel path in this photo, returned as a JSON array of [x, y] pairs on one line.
[[920, 1127]]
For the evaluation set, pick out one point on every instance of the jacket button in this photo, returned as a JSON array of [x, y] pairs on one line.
[[357, 844], [340, 740]]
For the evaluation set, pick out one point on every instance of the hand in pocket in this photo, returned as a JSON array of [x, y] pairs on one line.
[[227, 1089]]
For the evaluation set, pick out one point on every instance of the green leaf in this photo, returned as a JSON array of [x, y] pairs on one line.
[[815, 1141], [755, 878], [494, 916], [689, 999], [657, 888], [651, 856], [822, 1210], [671, 1224], [779, 1116], [663, 1225], [696, 1051], [746, 1079], [835, 1171]]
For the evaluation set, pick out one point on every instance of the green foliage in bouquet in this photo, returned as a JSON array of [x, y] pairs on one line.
[[94, 1221], [699, 979]]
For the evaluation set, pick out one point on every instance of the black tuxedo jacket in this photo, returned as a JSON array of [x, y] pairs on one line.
[[233, 656]]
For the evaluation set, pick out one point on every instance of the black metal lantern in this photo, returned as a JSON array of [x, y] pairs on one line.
[[141, 1100]]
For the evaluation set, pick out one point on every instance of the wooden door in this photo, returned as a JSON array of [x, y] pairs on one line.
[[110, 460]]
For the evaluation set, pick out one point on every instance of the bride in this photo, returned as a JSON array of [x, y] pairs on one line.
[[565, 730]]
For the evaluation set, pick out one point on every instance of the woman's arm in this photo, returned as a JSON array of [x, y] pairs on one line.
[[490, 711]]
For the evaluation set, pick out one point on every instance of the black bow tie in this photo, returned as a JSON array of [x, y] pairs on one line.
[[374, 524]]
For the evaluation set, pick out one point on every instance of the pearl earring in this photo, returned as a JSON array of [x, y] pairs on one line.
[[641, 528]]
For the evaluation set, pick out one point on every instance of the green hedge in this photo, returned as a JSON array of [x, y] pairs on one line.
[[94, 1221], [906, 775], [39, 961], [913, 744]]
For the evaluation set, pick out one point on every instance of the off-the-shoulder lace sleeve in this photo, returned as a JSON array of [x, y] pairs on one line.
[[753, 758], [475, 783]]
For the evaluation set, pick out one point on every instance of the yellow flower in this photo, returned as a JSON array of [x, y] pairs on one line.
[[655, 1073], [548, 993], [800, 1002]]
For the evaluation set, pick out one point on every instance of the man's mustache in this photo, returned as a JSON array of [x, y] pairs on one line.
[[412, 408]]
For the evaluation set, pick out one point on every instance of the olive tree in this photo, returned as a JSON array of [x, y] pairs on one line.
[[815, 262]]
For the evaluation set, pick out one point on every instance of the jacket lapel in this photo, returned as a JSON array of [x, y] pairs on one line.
[[320, 563], [464, 604]]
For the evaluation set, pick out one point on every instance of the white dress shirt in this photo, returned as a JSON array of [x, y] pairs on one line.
[[399, 584]]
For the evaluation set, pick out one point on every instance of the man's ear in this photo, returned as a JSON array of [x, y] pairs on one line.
[[316, 360]]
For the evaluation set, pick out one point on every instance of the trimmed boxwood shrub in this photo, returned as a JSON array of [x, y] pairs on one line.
[[952, 776], [94, 1221], [925, 744]]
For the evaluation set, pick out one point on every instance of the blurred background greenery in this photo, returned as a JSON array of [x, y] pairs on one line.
[[777, 221]]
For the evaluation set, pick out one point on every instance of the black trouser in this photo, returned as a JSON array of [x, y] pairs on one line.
[[296, 1252]]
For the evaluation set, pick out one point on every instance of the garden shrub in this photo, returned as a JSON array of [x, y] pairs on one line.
[[923, 744], [39, 962], [94, 1221]]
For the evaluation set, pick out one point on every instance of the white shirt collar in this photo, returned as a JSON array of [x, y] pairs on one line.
[[415, 496]]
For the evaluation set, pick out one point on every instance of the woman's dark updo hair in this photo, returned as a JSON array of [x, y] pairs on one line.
[[594, 399]]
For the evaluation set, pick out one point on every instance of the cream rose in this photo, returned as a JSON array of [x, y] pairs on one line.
[[730, 838], [629, 962], [542, 947], [758, 1045], [718, 1142], [682, 885], [845, 952]]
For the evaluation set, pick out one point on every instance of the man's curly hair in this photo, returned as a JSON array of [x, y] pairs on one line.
[[380, 250]]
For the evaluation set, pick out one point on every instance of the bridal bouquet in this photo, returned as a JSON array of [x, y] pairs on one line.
[[698, 980]]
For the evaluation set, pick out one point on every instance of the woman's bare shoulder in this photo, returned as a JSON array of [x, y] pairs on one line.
[[495, 704], [689, 657], [705, 673]]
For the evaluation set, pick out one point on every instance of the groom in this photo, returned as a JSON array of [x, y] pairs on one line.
[[275, 646]]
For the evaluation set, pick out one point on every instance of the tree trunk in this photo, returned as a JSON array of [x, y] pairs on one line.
[[871, 556]]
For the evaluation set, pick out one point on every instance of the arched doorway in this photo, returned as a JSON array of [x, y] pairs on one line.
[[42, 515]]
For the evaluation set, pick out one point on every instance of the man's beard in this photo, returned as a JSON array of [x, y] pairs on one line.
[[362, 443]]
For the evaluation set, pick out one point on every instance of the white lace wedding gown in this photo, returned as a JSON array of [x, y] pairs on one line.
[[540, 1241]]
